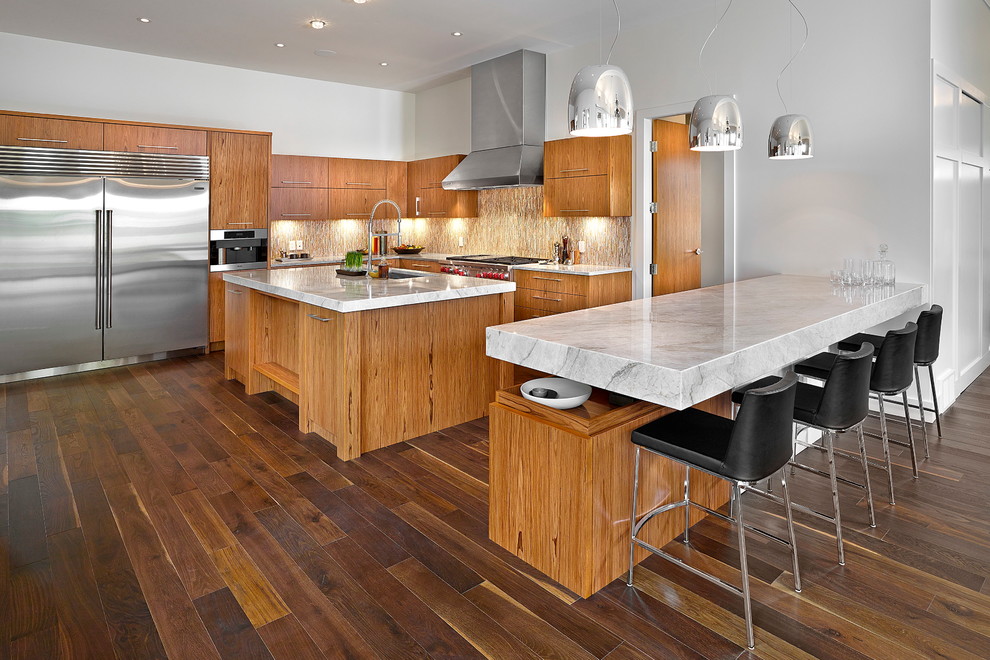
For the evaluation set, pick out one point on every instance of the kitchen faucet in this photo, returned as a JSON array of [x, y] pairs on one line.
[[381, 235]]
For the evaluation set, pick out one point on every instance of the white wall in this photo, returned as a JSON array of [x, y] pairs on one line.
[[960, 36], [305, 116], [712, 218], [443, 119]]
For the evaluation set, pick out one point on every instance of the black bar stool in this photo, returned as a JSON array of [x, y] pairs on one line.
[[890, 375], [743, 452], [925, 353], [841, 404]]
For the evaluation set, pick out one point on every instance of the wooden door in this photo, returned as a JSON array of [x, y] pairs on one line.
[[677, 222], [236, 329], [240, 166], [356, 173]]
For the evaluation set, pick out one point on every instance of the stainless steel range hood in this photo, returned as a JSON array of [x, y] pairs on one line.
[[508, 117]]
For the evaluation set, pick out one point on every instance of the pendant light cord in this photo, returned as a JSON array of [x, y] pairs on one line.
[[794, 56], [705, 45], [618, 28]]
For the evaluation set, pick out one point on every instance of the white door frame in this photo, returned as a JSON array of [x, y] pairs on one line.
[[642, 225]]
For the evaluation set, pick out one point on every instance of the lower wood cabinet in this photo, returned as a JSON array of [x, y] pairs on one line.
[[421, 264], [236, 330], [540, 293]]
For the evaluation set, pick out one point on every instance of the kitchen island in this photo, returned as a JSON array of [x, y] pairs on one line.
[[370, 362], [560, 481]]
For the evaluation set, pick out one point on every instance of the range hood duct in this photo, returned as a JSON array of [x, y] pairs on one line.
[[508, 124]]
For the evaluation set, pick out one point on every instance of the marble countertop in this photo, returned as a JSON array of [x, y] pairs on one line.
[[339, 259], [681, 349], [322, 287], [580, 269]]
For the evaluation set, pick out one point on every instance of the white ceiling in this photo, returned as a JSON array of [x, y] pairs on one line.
[[413, 36]]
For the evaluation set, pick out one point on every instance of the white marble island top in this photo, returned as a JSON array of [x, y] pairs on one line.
[[681, 349], [321, 286]]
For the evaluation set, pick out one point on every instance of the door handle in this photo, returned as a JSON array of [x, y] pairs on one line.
[[318, 318], [417, 206], [99, 269], [109, 268], [697, 251]]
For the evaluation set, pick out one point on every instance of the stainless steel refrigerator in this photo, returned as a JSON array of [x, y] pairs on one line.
[[103, 258]]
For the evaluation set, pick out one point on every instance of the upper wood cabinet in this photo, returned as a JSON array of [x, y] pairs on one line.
[[299, 171], [23, 131], [358, 204], [240, 169], [588, 177], [154, 140], [299, 204], [426, 197], [355, 173]]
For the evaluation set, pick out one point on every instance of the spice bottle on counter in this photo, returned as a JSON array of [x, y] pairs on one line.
[[383, 268]]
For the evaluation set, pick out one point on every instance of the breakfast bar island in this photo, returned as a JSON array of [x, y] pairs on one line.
[[561, 480], [370, 362]]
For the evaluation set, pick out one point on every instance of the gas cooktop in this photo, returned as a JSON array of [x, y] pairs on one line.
[[494, 259]]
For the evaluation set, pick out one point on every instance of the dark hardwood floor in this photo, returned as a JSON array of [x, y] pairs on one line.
[[158, 511]]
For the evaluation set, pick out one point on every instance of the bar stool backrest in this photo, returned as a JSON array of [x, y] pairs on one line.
[[893, 369], [761, 440], [845, 398], [929, 333]]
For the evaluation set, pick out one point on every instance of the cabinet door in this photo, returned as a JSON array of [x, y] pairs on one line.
[[397, 184], [154, 140], [576, 196], [18, 131], [579, 156], [299, 204], [217, 306], [236, 330], [354, 173], [421, 264], [240, 165], [299, 171]]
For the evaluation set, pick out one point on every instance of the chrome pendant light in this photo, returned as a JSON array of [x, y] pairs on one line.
[[716, 123], [791, 136], [600, 103]]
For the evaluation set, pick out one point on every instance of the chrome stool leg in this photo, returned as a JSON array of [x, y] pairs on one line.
[[886, 448], [828, 438], [921, 411], [632, 519], [790, 533], [910, 434], [744, 568], [938, 416], [687, 498], [866, 476]]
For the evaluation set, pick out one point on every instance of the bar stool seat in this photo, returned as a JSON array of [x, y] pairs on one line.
[[691, 435], [818, 366], [807, 398]]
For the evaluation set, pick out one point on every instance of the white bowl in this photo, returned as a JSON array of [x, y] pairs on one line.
[[570, 393]]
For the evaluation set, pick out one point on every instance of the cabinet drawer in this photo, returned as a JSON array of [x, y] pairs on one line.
[[153, 140], [575, 157], [358, 203], [413, 264], [580, 196], [298, 204], [551, 282], [299, 171], [17, 131], [526, 313], [549, 301], [356, 174]]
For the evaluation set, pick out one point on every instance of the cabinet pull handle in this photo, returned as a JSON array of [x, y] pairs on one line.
[[548, 279], [356, 183], [361, 214], [544, 298], [417, 206], [576, 169], [236, 293], [437, 213], [304, 183], [241, 224], [155, 146], [42, 140], [575, 210], [318, 318], [296, 215]]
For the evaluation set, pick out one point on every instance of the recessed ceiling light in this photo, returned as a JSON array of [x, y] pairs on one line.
[[383, 63], [144, 20], [325, 52], [280, 45], [456, 34], [317, 24], [359, 2]]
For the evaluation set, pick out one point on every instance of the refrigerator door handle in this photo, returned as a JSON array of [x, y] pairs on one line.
[[108, 260], [99, 269]]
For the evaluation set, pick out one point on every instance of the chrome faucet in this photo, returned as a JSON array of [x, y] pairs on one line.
[[371, 231]]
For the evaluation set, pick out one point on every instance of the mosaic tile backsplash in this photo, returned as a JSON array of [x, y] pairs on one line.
[[510, 221]]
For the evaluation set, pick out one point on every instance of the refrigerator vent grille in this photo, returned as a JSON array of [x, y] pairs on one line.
[[37, 161]]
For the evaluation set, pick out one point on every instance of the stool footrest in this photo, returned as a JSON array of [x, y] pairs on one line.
[[700, 573]]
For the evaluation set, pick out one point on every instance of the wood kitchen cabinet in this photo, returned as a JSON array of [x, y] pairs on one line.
[[299, 171], [299, 204], [237, 329], [545, 293], [588, 177], [357, 173], [357, 204], [27, 131], [426, 197], [154, 139], [419, 264], [240, 169]]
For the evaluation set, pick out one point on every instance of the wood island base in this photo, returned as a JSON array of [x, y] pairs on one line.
[[561, 483]]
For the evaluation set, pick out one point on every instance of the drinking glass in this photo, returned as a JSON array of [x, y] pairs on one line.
[[854, 269], [887, 273]]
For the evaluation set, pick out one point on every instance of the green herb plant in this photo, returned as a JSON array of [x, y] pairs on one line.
[[353, 260]]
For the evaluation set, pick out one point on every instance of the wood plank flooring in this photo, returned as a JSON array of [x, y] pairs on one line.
[[157, 511]]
